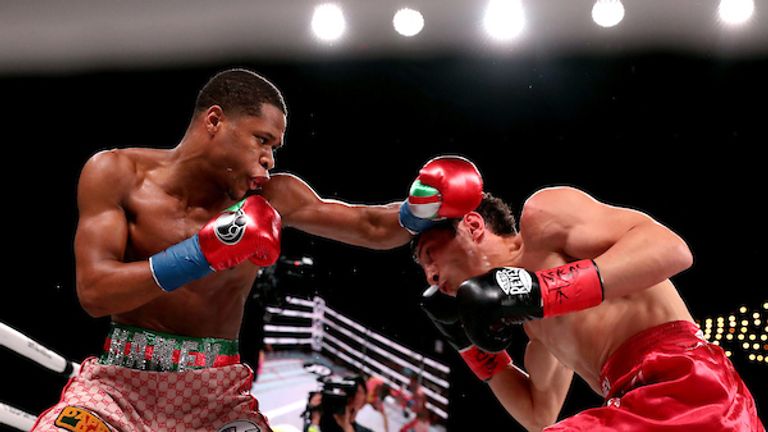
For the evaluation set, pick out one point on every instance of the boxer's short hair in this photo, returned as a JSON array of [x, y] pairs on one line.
[[495, 212], [239, 91]]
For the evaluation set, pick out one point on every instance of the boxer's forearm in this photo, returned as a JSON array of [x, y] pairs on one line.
[[370, 226], [385, 231], [514, 390], [534, 398], [645, 256], [115, 287], [550, 381]]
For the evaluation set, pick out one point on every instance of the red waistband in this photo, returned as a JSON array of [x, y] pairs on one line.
[[674, 336]]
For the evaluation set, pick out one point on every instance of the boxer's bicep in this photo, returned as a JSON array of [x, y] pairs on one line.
[[102, 229]]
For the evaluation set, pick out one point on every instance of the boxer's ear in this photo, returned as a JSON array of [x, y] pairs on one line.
[[475, 225], [213, 116]]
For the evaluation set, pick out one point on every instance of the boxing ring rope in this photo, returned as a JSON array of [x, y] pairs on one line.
[[16, 418], [23, 345], [323, 329]]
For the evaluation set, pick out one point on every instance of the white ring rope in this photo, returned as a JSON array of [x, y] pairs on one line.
[[290, 312], [287, 329], [287, 341], [414, 355], [16, 418], [405, 364], [18, 342]]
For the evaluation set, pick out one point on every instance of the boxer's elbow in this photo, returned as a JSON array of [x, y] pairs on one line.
[[90, 296], [685, 257], [535, 424], [91, 303], [536, 427], [681, 257], [542, 417], [669, 251]]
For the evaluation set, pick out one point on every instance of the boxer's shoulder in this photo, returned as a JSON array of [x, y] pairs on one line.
[[554, 198], [546, 214], [124, 166], [112, 174], [106, 173]]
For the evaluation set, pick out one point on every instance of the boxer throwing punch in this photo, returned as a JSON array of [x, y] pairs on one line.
[[589, 283], [168, 245]]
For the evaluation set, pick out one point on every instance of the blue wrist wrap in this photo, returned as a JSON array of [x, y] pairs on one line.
[[179, 264]]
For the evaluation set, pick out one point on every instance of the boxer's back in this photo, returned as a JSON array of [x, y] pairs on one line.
[[158, 216]]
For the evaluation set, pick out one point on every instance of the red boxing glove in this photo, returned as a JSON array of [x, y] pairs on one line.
[[248, 230], [458, 183]]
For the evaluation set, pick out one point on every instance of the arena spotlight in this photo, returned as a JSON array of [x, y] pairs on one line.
[[736, 12], [607, 13], [328, 22], [504, 19], [408, 22]]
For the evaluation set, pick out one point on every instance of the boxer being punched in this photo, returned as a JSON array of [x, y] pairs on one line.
[[168, 245], [590, 283]]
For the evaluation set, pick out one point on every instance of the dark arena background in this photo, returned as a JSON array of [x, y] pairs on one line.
[[645, 104]]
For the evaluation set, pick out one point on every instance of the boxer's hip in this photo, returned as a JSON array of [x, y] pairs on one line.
[[624, 367], [669, 377]]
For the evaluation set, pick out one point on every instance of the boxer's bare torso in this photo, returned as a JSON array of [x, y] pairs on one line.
[[584, 340], [156, 219]]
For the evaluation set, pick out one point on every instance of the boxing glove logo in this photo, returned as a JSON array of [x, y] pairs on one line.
[[230, 226], [514, 281]]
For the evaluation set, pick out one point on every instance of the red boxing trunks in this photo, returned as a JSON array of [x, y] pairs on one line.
[[150, 381], [669, 378]]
